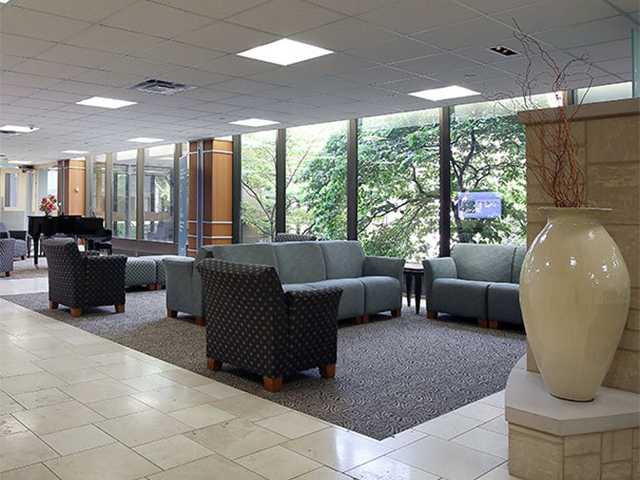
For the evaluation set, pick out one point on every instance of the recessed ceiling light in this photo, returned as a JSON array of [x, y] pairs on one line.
[[5, 1], [18, 129], [75, 152], [445, 93], [146, 140], [18, 162], [254, 122], [285, 52], [104, 102]]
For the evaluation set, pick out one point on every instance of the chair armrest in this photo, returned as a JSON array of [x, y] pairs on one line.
[[105, 269], [438, 267], [184, 285], [384, 267], [310, 308]]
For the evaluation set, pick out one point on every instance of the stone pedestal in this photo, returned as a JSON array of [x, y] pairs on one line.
[[553, 439]]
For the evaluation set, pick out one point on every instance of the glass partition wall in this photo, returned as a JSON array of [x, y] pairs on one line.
[[98, 203], [159, 181], [124, 194]]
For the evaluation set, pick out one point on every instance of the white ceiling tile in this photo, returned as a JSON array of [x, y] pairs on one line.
[[248, 101], [494, 6], [621, 66], [334, 64], [394, 51], [110, 79], [607, 30], [91, 11], [213, 8], [49, 69], [207, 94], [26, 80], [350, 7], [110, 39], [285, 17], [23, 46], [54, 96], [242, 85], [182, 54], [226, 37], [346, 34], [376, 75], [412, 85], [482, 53], [192, 76], [41, 104], [155, 19], [604, 51], [552, 13], [77, 56], [9, 62], [630, 6], [29, 23], [411, 16], [238, 66], [434, 64], [483, 31], [18, 90]]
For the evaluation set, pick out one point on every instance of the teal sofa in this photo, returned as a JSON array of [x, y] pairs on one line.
[[369, 284], [477, 281]]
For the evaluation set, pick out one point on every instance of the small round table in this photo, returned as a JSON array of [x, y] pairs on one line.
[[413, 273]]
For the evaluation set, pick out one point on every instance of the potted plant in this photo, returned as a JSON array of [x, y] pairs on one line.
[[48, 204], [574, 284]]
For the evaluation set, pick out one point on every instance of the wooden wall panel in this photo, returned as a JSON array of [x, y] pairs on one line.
[[71, 186]]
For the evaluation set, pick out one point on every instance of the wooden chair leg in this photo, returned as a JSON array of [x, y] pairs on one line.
[[7, 274], [151, 287], [395, 313], [360, 319], [119, 308], [493, 324], [213, 364], [200, 321], [328, 370], [172, 313], [53, 306], [272, 384], [483, 323], [76, 312], [431, 315]]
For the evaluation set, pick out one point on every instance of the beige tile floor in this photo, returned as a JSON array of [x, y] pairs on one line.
[[77, 406]]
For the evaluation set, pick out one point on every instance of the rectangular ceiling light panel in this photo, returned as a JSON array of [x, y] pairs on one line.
[[254, 122], [103, 102], [285, 52], [445, 93]]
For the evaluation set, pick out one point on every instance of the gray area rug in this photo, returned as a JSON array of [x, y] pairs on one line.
[[26, 268], [392, 374]]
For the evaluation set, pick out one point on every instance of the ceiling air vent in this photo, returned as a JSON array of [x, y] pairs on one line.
[[504, 51], [161, 87]]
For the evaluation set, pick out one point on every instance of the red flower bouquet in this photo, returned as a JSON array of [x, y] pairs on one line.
[[48, 204]]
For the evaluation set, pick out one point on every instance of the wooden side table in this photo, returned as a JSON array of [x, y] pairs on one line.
[[413, 273]]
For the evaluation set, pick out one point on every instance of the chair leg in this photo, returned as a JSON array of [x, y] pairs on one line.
[[172, 313], [272, 384], [493, 324], [7, 274], [152, 286], [53, 305], [360, 319], [213, 364], [119, 308], [328, 370], [76, 312], [395, 313], [200, 321], [431, 315], [483, 323], [22, 257]]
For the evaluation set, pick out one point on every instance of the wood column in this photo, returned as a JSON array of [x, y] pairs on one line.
[[71, 186], [210, 193]]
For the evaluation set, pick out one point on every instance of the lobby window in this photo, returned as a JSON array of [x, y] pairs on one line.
[[258, 186], [159, 180], [398, 191], [316, 180], [52, 181], [124, 194], [605, 93], [99, 186], [11, 190], [488, 173]]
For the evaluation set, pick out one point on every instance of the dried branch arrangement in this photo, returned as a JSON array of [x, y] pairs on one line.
[[555, 160]]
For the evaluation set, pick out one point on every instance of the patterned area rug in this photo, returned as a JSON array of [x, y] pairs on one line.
[[392, 374]]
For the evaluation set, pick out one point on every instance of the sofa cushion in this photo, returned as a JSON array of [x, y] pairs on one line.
[[297, 287], [381, 294], [344, 259], [518, 260], [352, 299], [503, 303], [300, 262], [465, 298], [253, 253], [490, 263]]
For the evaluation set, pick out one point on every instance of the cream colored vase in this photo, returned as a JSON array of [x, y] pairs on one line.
[[574, 294]]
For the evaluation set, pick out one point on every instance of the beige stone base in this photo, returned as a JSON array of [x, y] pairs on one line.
[[611, 455]]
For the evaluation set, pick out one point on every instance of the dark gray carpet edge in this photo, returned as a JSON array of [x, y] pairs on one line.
[[393, 374]]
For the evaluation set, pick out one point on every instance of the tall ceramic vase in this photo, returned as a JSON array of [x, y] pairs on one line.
[[574, 294]]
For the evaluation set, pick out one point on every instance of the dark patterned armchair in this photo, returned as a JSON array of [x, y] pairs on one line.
[[253, 324], [80, 281], [7, 249], [21, 241], [294, 237]]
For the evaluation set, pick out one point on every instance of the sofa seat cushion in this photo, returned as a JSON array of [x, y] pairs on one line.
[[381, 294], [352, 299], [503, 303], [344, 259], [465, 298], [140, 271], [300, 262], [297, 287]]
